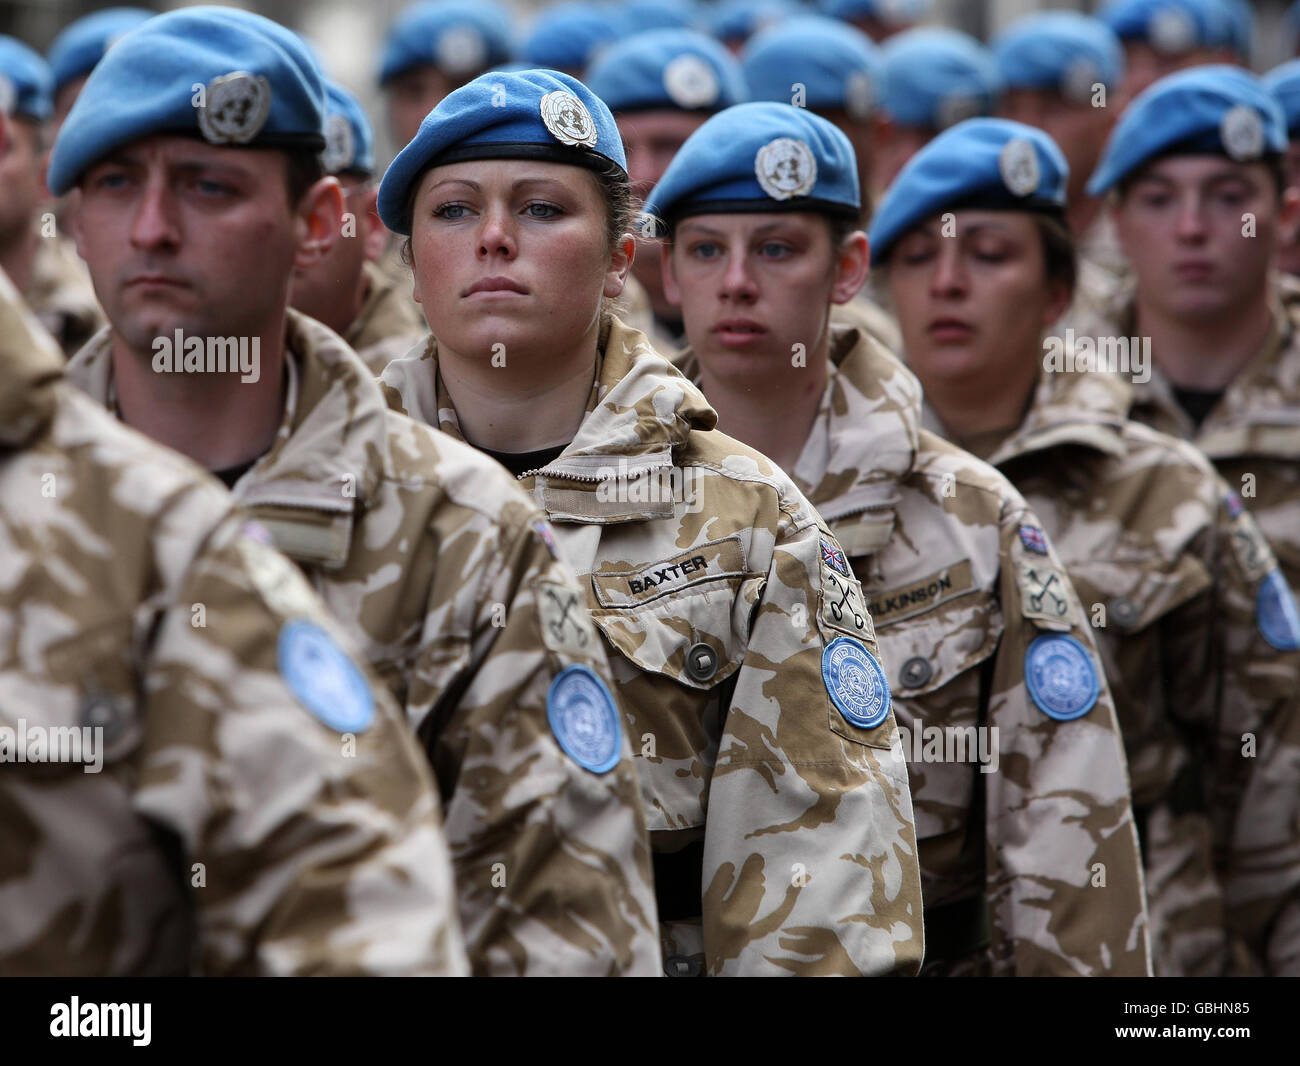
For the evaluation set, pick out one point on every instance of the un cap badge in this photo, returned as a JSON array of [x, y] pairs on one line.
[[460, 50], [340, 147], [785, 168], [235, 108], [1018, 165], [690, 82], [1171, 31], [567, 119], [1242, 133], [8, 95], [859, 95]]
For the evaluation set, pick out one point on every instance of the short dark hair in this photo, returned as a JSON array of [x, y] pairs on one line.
[[303, 169]]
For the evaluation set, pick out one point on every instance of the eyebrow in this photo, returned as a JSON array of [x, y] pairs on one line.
[[130, 159], [691, 226], [514, 186]]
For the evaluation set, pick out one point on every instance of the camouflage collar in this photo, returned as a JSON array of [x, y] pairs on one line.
[[640, 411], [30, 367], [386, 312]]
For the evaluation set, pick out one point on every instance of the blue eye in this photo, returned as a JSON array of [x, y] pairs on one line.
[[213, 188], [111, 180], [451, 212], [773, 250], [543, 210], [705, 250]]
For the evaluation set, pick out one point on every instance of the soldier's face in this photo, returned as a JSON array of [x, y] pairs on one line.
[[972, 297], [1201, 233], [751, 287], [1288, 256], [22, 178], [411, 96], [331, 289], [1078, 128], [513, 252], [651, 140], [1144, 64], [179, 234]]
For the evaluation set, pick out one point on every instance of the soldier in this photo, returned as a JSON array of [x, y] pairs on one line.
[[569, 36], [196, 776], [780, 814], [1191, 610], [79, 46], [1194, 171], [39, 262], [1284, 83], [661, 86], [441, 571], [878, 19], [930, 78], [734, 22], [344, 288], [949, 557], [1164, 36]]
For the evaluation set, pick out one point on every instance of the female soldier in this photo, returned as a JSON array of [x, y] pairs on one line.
[[982, 637], [978, 262], [744, 655]]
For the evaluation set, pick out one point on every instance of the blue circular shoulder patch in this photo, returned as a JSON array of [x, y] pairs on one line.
[[1061, 677], [324, 678], [584, 719], [1276, 614], [856, 683]]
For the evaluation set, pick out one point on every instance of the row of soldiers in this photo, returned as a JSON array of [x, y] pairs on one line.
[[861, 602]]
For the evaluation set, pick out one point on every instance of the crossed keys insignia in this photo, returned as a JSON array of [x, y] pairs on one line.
[[565, 605], [1037, 599], [845, 589]]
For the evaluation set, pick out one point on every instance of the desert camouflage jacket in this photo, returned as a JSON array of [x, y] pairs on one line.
[[61, 296], [442, 572], [747, 666], [389, 322]]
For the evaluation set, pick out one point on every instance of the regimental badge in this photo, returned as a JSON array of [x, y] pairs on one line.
[[236, 108], [957, 107], [859, 95], [1033, 540], [1242, 132], [1061, 677], [1018, 165], [323, 678], [340, 148], [855, 682], [1171, 31], [567, 120], [8, 95], [460, 50], [1078, 78], [584, 719], [785, 168], [691, 83], [1276, 613], [1044, 594], [566, 625]]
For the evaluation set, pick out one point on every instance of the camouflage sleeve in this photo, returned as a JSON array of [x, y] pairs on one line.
[[1253, 788], [1065, 885], [302, 806], [544, 812], [810, 860]]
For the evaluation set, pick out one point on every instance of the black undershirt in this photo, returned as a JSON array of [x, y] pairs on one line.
[[231, 474], [1197, 402], [519, 462]]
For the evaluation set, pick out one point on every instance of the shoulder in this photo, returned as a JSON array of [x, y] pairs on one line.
[[974, 486], [746, 476]]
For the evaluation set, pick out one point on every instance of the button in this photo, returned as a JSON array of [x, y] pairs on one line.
[[1124, 611], [701, 662], [101, 711], [916, 672], [682, 965]]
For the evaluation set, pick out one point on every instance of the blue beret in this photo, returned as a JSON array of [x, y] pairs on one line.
[[737, 20], [934, 77], [349, 138], [667, 69], [1284, 83], [988, 163], [1214, 109], [1241, 26], [568, 36], [261, 88], [759, 157], [1059, 50], [638, 15], [532, 114], [1170, 26], [890, 12], [78, 48], [837, 65], [461, 38], [25, 83]]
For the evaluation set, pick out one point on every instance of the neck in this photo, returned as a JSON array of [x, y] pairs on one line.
[[1082, 213], [18, 258], [536, 401], [216, 419], [772, 411], [982, 404], [1205, 353]]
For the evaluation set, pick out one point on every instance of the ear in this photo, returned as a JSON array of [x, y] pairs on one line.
[[619, 265], [1058, 302], [852, 263], [319, 221], [1288, 217], [668, 274], [375, 233]]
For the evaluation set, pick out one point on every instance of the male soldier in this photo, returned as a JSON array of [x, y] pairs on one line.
[[878, 19], [570, 36], [345, 289], [440, 571], [40, 263], [171, 806], [936, 538], [1284, 83], [79, 46], [1164, 36], [661, 86], [1194, 168]]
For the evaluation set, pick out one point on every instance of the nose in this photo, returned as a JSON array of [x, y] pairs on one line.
[[497, 234], [156, 224], [738, 282], [1191, 218], [949, 275]]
